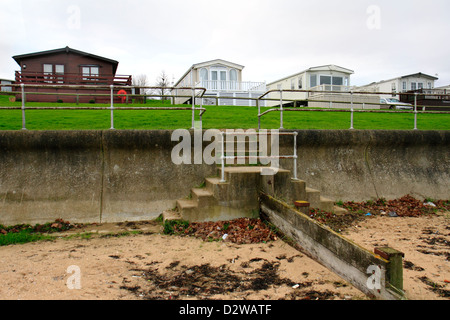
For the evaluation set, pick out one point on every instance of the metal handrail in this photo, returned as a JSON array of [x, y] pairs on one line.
[[198, 92], [351, 93], [22, 91], [223, 157]]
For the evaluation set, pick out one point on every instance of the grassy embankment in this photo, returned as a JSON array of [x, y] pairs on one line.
[[216, 117]]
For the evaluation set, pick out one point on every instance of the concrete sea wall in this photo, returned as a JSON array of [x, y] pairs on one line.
[[113, 175], [90, 176], [358, 165]]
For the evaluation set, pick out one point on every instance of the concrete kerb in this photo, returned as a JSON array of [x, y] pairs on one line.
[[372, 274]]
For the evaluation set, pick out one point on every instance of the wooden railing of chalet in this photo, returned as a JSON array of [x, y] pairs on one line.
[[71, 78]]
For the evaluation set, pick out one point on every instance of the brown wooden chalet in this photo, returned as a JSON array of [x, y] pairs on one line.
[[67, 67]]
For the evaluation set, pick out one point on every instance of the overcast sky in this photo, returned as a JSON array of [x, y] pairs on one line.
[[377, 39]]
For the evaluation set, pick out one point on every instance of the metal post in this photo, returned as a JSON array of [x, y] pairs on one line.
[[112, 107], [23, 106], [281, 108], [193, 108], [351, 117], [222, 157], [295, 156], [201, 115], [415, 110], [259, 112]]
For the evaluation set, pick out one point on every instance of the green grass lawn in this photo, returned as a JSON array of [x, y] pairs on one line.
[[216, 117]]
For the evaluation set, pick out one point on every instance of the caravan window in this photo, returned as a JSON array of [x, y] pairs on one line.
[[313, 81]]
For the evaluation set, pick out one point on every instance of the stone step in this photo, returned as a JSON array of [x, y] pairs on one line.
[[211, 183], [313, 197], [317, 201], [239, 193], [217, 188], [326, 204], [231, 171], [171, 215], [339, 211], [187, 208], [203, 196], [250, 169]]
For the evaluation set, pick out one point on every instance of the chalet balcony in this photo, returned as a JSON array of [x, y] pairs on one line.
[[71, 79], [71, 88], [232, 86]]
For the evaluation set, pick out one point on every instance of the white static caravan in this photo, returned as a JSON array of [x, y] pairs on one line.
[[320, 80], [223, 83], [401, 84]]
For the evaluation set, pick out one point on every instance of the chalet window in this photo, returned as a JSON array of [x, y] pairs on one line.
[[203, 74], [223, 78], [214, 79], [420, 85], [413, 86], [338, 81], [90, 72], [335, 81], [233, 79], [233, 75], [51, 73], [48, 71], [405, 87], [59, 71], [313, 81], [325, 80]]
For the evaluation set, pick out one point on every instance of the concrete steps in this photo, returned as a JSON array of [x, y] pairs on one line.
[[238, 197], [170, 215], [317, 201]]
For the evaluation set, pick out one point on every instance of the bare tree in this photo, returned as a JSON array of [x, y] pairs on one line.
[[163, 81], [140, 81]]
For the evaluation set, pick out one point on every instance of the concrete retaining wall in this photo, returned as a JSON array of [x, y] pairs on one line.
[[90, 176], [359, 165], [113, 175]]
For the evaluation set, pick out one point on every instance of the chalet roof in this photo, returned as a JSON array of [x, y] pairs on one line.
[[328, 67], [218, 61], [421, 75], [210, 63], [414, 75], [18, 58]]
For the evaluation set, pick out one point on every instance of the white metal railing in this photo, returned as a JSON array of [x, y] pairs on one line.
[[351, 93], [195, 92], [232, 86], [326, 88], [259, 155]]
